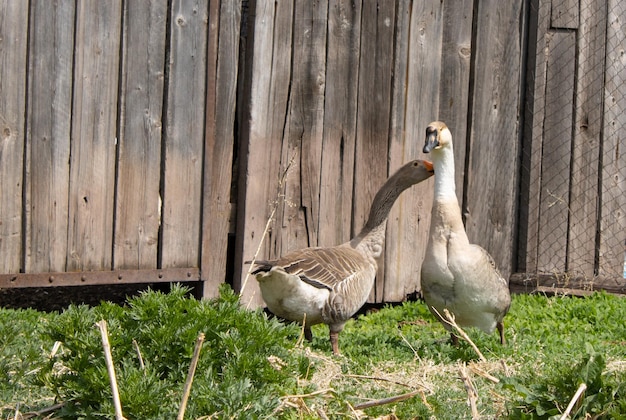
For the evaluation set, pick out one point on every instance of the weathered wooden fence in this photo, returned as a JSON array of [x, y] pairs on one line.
[[172, 140]]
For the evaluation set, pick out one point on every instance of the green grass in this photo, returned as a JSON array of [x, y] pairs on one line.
[[255, 367]]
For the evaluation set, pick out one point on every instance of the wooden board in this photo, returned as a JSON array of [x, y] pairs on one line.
[[565, 14], [14, 36], [340, 109], [587, 132], [138, 204], [222, 58], [373, 117], [94, 114], [298, 214], [184, 135], [415, 93], [556, 157], [534, 114], [262, 174], [48, 134], [454, 101], [491, 189], [612, 239]]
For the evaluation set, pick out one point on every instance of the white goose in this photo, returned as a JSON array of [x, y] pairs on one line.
[[329, 285], [457, 275]]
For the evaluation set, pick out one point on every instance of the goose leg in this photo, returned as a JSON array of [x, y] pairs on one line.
[[334, 342], [500, 327], [308, 334]]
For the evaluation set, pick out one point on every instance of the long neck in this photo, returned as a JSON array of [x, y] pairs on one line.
[[443, 162], [372, 235]]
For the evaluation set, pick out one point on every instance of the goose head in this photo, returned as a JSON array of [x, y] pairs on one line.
[[413, 172], [437, 136]]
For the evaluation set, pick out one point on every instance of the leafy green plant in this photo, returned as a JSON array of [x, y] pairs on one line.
[[251, 367]]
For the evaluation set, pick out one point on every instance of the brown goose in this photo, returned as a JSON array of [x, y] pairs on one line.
[[329, 285], [457, 275]]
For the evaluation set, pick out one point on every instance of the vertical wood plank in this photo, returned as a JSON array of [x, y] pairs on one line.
[[565, 14], [534, 115], [139, 157], [555, 183], [613, 178], [302, 139], [48, 134], [340, 109], [184, 134], [587, 128], [222, 73], [373, 118], [416, 84], [261, 169], [455, 80], [92, 164], [491, 193], [14, 35]]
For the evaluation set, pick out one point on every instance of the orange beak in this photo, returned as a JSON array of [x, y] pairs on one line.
[[429, 166]]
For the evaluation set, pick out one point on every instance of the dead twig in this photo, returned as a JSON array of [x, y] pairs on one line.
[[108, 359], [476, 370], [388, 400], [581, 389], [472, 394], [43, 411], [190, 374], [270, 219], [136, 346], [449, 319]]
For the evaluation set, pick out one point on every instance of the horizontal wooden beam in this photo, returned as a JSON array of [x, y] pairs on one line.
[[92, 278], [531, 282]]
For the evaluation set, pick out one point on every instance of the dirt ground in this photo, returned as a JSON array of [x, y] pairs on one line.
[[58, 298]]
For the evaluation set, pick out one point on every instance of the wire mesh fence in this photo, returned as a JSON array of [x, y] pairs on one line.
[[575, 154]]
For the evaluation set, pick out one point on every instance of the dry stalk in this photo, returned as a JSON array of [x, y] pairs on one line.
[[388, 400], [270, 219], [449, 319], [108, 358], [136, 346], [581, 389], [43, 411], [472, 394], [478, 371], [189, 381], [297, 401]]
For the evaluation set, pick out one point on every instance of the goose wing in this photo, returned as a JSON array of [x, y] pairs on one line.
[[320, 267]]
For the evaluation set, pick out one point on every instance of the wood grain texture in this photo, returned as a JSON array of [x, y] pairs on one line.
[[491, 193], [14, 35], [139, 150], [48, 134], [261, 186], [534, 114], [587, 132], [222, 58], [565, 14], [418, 41], [612, 246], [339, 134], [298, 214], [184, 135], [92, 163], [373, 117], [454, 101], [554, 206]]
